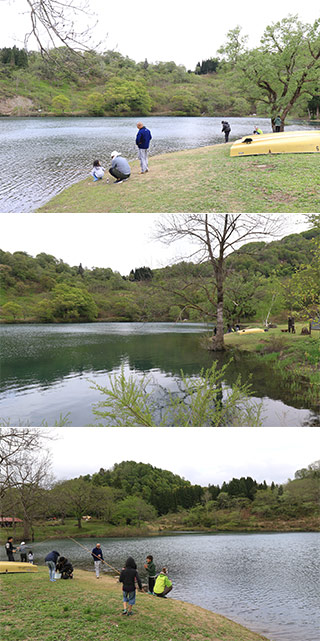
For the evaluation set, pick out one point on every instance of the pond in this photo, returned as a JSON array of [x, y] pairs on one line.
[[267, 582], [48, 369], [46, 155]]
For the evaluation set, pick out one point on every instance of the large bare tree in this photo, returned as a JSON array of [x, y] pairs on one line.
[[214, 236]]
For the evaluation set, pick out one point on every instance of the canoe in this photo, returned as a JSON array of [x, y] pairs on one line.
[[254, 330], [284, 142], [16, 566]]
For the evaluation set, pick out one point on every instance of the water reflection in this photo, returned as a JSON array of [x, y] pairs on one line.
[[47, 369], [46, 155]]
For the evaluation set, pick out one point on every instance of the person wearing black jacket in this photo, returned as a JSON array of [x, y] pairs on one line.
[[9, 548], [225, 129], [64, 567], [128, 576]]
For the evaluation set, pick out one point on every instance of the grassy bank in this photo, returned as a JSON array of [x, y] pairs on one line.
[[295, 358], [83, 609], [202, 180]]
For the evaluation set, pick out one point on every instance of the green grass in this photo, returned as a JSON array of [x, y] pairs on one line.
[[84, 609], [203, 180], [295, 357]]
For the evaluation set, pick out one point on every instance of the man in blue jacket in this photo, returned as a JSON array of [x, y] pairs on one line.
[[143, 141], [51, 561], [97, 557]]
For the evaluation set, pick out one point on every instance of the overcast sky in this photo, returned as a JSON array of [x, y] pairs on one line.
[[120, 241], [168, 30], [200, 455]]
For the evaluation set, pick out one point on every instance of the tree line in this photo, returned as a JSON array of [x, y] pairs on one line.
[[132, 494], [259, 279], [280, 77]]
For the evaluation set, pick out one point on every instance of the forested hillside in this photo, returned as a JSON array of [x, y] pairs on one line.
[[134, 495], [238, 83], [278, 277]]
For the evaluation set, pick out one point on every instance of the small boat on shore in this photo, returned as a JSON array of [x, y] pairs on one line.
[[7, 567], [284, 142], [252, 330]]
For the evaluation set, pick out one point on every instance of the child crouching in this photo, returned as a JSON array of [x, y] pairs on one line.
[[97, 171]]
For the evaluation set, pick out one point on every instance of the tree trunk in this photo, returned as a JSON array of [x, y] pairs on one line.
[[218, 339], [79, 522]]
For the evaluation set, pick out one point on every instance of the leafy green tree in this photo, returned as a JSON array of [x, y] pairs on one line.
[[12, 311], [95, 104], [72, 303], [60, 104], [127, 96], [284, 68], [133, 510], [184, 103]]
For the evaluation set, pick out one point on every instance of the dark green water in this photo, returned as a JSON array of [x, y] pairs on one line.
[[46, 369]]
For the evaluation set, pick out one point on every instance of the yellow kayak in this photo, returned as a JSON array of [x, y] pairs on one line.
[[16, 566], [284, 142], [254, 330]]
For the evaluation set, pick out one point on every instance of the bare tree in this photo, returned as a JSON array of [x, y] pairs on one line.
[[14, 443], [56, 23], [214, 237], [30, 480]]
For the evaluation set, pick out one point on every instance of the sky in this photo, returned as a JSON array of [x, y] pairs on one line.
[[120, 241], [200, 455], [168, 30]]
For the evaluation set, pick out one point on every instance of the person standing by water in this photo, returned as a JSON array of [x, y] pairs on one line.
[[97, 556], [277, 124], [225, 129], [9, 548], [151, 572], [23, 552], [143, 138], [128, 576], [51, 561]]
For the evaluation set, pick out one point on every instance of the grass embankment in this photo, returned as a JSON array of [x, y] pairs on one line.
[[295, 357], [84, 609], [203, 180]]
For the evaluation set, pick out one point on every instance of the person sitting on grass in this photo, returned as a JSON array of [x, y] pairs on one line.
[[120, 168], [97, 171], [162, 585], [151, 572], [128, 576], [257, 130]]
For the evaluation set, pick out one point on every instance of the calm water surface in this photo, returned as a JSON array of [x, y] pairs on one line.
[[40, 157], [47, 369], [266, 582]]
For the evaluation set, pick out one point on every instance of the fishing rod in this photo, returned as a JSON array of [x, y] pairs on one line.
[[97, 557]]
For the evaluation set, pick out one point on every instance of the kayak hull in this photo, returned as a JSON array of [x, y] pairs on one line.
[[285, 142], [14, 566], [251, 331]]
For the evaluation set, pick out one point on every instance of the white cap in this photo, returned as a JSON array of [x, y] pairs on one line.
[[114, 154]]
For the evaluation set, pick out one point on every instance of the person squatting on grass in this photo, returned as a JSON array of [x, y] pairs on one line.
[[97, 556], [51, 561], [97, 171], [120, 168], [143, 138], [151, 572], [162, 585], [128, 576]]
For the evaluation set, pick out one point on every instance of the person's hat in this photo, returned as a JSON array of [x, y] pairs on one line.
[[114, 154], [22, 543]]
